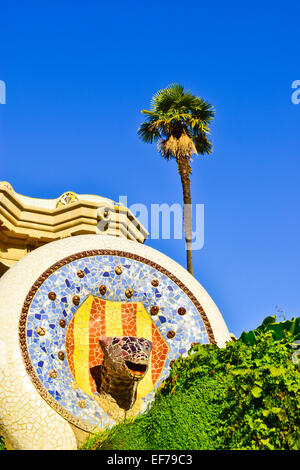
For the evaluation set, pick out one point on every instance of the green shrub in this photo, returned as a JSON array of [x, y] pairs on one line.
[[238, 397], [2, 445], [256, 391], [279, 331]]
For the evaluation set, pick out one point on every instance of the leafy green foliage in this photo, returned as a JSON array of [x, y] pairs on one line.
[[2, 445], [238, 397], [278, 330], [256, 389]]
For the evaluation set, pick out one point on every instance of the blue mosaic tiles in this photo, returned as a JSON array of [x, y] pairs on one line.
[[46, 338]]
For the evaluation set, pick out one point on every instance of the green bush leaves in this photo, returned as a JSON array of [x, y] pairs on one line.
[[243, 396]]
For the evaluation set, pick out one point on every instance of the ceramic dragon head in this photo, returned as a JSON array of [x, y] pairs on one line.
[[127, 356]]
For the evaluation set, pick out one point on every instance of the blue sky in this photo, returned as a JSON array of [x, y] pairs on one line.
[[78, 74]]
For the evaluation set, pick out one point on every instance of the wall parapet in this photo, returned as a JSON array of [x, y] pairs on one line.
[[28, 223]]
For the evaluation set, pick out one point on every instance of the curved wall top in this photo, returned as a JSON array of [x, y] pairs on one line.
[[27, 223]]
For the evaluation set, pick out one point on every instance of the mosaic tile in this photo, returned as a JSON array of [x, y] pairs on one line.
[[72, 331]]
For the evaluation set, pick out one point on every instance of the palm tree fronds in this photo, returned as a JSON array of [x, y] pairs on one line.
[[202, 144], [163, 99], [147, 133], [178, 121]]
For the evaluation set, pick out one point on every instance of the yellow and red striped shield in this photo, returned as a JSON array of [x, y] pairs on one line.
[[97, 317]]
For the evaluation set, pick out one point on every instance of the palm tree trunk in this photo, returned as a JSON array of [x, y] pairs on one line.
[[184, 169]]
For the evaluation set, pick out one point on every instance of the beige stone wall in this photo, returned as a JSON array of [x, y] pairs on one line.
[[28, 223]]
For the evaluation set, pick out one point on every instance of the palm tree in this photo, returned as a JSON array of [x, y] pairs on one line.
[[179, 123]]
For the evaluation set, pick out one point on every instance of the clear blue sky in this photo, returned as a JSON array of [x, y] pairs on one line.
[[78, 74]]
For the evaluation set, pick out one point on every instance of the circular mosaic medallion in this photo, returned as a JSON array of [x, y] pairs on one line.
[[64, 362]]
